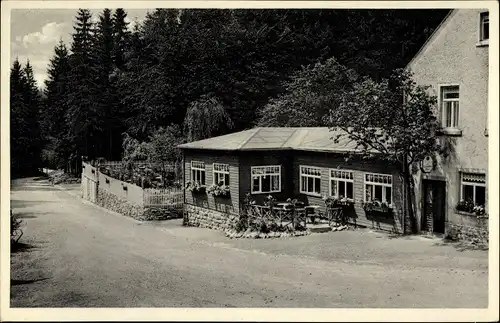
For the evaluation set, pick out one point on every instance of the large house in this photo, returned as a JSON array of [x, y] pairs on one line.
[[305, 163], [454, 62]]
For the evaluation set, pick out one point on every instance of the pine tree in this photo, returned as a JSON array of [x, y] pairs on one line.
[[107, 101], [84, 113], [32, 101], [121, 36], [55, 106], [18, 124], [25, 133]]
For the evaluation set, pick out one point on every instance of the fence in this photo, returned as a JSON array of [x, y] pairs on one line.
[[163, 198], [139, 164]]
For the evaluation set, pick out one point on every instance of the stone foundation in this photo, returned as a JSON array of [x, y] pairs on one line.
[[201, 217], [118, 204], [156, 214], [469, 228]]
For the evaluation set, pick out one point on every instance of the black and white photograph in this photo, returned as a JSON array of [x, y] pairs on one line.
[[254, 156]]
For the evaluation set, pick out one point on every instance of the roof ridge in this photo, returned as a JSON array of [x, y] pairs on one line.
[[431, 37], [250, 137]]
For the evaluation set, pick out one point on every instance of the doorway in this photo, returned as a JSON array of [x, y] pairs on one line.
[[434, 217]]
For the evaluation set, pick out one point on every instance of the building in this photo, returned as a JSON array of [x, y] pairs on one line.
[[302, 163], [454, 62]]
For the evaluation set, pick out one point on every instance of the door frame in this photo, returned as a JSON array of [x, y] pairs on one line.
[[425, 182]]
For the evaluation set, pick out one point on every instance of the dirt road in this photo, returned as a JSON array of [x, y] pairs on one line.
[[79, 255]]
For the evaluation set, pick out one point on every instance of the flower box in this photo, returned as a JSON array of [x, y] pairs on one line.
[[195, 187], [469, 207], [219, 190], [376, 206], [331, 201]]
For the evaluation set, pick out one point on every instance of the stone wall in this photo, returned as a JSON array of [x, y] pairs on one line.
[[118, 204], [470, 229], [155, 214], [201, 217]]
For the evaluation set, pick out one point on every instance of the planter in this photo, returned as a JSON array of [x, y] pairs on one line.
[[222, 195], [199, 190], [377, 208]]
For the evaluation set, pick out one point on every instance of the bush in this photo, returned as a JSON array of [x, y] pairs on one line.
[[241, 225], [15, 228]]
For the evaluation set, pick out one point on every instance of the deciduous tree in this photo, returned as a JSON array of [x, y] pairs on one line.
[[389, 126]]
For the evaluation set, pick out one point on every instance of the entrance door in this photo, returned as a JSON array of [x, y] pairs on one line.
[[433, 218]]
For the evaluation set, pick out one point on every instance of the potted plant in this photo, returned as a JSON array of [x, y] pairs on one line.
[[219, 190], [377, 206], [195, 187]]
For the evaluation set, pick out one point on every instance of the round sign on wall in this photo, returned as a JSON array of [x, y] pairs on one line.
[[427, 164]]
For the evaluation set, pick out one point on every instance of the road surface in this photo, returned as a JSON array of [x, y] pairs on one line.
[[80, 255]]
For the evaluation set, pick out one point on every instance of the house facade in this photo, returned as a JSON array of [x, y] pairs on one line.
[[454, 63], [301, 163]]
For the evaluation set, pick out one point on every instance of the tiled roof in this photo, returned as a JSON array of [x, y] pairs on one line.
[[276, 138]]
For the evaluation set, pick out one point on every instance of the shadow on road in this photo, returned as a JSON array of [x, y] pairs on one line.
[[22, 247], [33, 188], [15, 282], [26, 215], [24, 203], [461, 246]]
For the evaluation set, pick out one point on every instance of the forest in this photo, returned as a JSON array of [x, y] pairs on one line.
[[181, 75]]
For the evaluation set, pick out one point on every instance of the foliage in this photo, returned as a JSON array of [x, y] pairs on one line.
[[54, 126], [376, 206], [85, 114], [180, 66], [396, 129], [24, 117], [219, 189], [195, 187], [470, 207], [309, 96], [204, 118], [162, 145], [15, 229], [331, 201]]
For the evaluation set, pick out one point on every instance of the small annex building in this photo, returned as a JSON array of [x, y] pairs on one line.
[[303, 163]]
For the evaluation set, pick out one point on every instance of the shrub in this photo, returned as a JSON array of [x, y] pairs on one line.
[[15, 228]]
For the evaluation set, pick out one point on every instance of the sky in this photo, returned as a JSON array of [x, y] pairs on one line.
[[35, 33]]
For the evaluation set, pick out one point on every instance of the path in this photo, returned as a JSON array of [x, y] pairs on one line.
[[84, 256]]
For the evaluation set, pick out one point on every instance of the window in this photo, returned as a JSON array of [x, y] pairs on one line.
[[198, 172], [484, 26], [266, 179], [378, 187], [221, 174], [310, 180], [449, 106], [341, 183], [473, 188]]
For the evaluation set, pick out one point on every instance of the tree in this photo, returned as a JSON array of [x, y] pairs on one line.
[[18, 113], [387, 126], [107, 100], [84, 115], [310, 94], [55, 128], [121, 36], [32, 101], [25, 134], [206, 117]]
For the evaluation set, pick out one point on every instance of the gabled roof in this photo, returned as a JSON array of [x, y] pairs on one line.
[[431, 38], [278, 138]]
